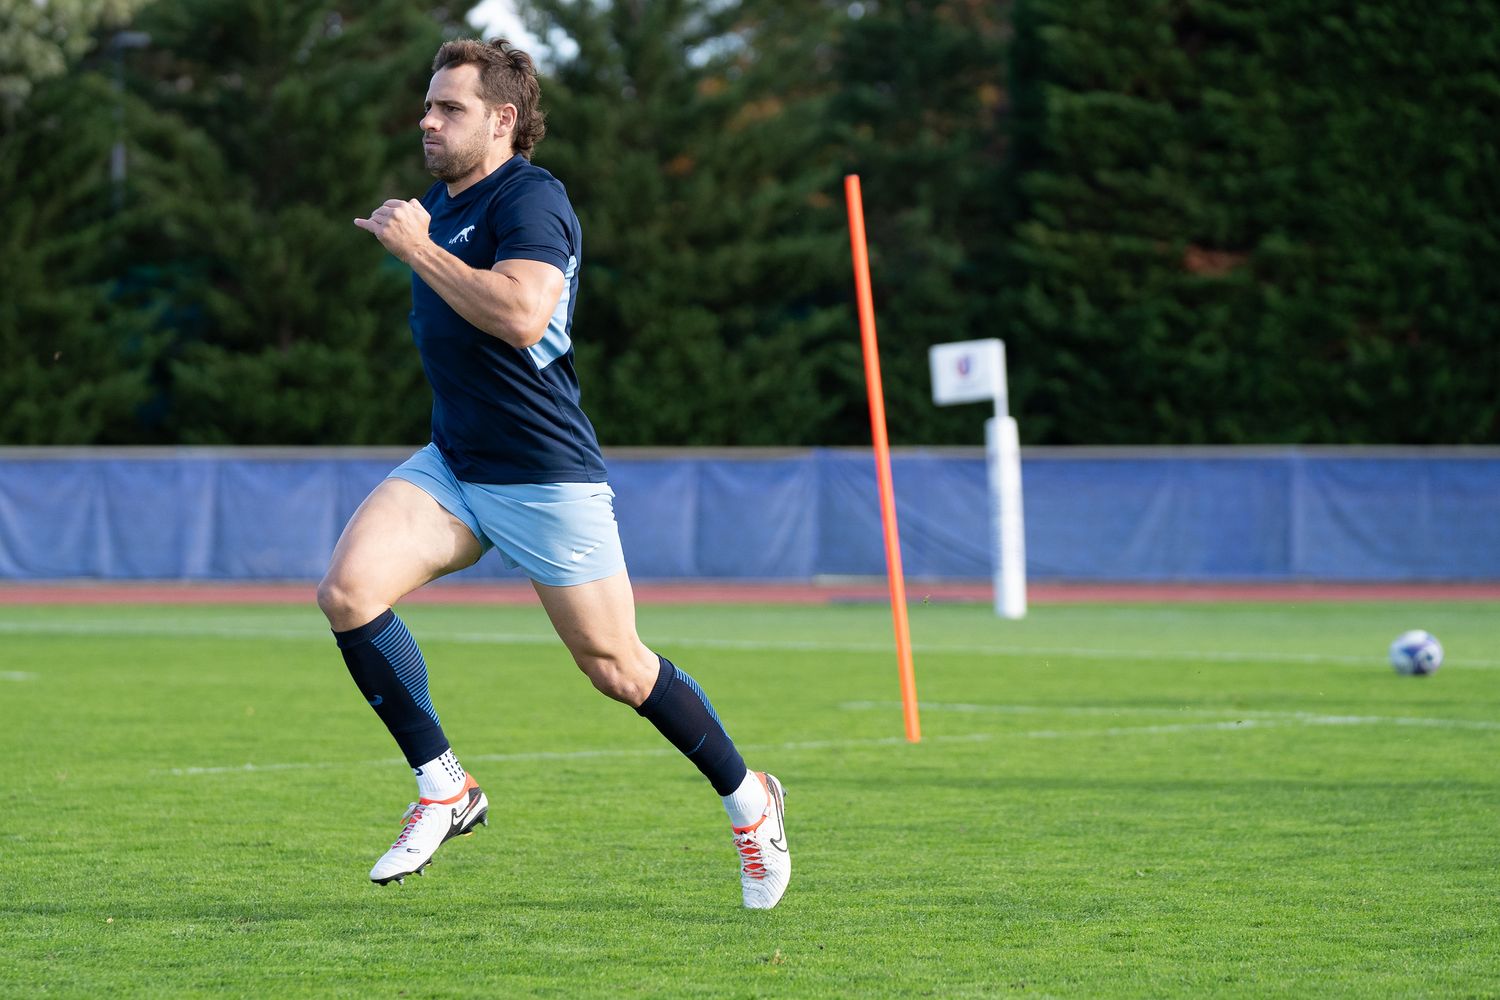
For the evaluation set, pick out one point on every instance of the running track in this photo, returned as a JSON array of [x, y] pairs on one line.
[[738, 592]]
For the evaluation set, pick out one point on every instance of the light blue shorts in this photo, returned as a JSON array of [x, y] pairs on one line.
[[559, 534]]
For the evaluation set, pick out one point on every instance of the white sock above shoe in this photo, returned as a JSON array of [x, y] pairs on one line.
[[747, 803], [440, 778]]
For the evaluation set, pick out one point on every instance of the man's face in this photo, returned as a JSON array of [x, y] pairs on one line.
[[457, 129]]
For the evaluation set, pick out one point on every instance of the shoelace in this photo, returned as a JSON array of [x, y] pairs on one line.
[[410, 818], [751, 862]]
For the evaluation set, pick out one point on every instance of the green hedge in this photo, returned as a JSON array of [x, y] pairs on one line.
[[1272, 223], [1194, 221]]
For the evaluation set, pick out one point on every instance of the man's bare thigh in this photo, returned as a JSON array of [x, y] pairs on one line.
[[399, 539]]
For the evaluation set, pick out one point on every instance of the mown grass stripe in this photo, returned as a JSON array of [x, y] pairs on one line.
[[166, 630]]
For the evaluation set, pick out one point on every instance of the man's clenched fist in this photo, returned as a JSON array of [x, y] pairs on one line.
[[400, 226]]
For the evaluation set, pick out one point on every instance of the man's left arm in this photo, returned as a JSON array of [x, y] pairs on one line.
[[513, 301]]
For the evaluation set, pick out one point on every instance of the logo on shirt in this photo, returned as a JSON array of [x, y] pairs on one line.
[[463, 235]]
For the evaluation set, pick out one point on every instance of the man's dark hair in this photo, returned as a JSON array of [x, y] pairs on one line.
[[506, 76]]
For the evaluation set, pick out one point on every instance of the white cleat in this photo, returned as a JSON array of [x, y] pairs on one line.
[[765, 863], [427, 825]]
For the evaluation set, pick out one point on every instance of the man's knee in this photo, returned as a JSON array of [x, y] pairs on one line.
[[621, 675], [344, 605]]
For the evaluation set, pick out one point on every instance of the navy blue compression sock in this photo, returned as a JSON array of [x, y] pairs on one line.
[[388, 668], [678, 707]]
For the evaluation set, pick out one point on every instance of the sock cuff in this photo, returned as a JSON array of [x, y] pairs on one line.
[[365, 632], [659, 690], [729, 762]]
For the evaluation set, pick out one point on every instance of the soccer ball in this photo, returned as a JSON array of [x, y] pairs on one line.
[[1417, 653]]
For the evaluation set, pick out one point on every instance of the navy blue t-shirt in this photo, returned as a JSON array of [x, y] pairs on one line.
[[503, 414]]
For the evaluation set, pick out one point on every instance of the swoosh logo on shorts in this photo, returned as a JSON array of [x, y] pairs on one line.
[[576, 555], [375, 701]]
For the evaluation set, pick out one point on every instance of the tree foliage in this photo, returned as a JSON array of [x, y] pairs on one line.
[[1256, 224], [38, 40], [77, 360], [693, 142], [1191, 221], [274, 124], [921, 93]]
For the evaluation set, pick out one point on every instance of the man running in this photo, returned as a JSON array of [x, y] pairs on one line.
[[514, 464]]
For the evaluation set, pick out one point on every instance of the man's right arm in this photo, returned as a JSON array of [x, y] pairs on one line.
[[513, 301]]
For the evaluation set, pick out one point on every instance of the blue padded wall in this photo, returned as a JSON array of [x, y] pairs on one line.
[[1091, 514]]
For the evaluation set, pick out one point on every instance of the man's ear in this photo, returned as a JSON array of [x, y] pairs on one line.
[[505, 120]]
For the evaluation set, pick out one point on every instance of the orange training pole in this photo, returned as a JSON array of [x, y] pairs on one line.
[[882, 455]]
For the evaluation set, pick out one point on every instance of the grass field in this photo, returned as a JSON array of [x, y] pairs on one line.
[[1109, 801]]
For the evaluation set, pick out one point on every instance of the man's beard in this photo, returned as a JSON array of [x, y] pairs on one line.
[[448, 164]]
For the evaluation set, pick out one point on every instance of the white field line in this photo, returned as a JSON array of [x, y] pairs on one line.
[[1259, 720], [252, 632], [546, 755], [1238, 716], [1181, 727], [16, 675]]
